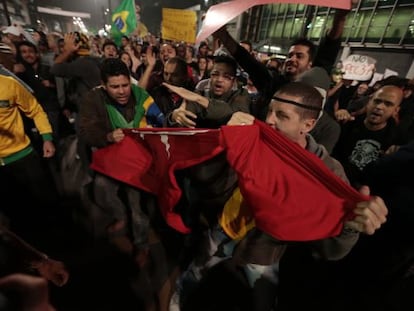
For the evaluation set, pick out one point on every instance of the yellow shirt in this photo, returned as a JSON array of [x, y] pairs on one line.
[[14, 98]]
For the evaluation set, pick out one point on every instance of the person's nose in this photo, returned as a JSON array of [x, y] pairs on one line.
[[122, 90], [271, 119]]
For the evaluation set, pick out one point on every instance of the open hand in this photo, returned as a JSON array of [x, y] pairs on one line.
[[184, 117]]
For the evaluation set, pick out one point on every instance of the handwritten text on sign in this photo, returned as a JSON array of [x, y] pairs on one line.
[[358, 67], [179, 25]]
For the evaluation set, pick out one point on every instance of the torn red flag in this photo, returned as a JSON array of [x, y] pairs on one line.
[[293, 195], [147, 159]]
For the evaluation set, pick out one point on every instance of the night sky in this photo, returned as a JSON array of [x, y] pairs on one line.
[[150, 9]]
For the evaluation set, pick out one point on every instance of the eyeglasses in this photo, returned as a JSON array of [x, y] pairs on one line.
[[225, 76]]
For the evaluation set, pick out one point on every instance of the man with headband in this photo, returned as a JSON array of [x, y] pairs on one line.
[[293, 111]]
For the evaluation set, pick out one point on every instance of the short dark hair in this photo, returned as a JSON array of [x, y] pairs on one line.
[[43, 39], [112, 67], [27, 43], [394, 80], [309, 96], [19, 57], [228, 60], [109, 42], [181, 71], [203, 44], [306, 42]]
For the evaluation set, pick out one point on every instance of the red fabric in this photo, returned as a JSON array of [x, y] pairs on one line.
[[293, 195], [147, 159]]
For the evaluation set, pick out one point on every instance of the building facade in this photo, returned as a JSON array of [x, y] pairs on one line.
[[382, 29], [14, 12]]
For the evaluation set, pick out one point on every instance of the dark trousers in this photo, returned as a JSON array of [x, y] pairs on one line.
[[29, 198]]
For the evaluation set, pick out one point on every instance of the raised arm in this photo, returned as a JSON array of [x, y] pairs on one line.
[[151, 59], [48, 268], [331, 44], [258, 73]]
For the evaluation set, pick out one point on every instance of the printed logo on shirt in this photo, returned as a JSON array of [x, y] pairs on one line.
[[365, 151], [4, 103]]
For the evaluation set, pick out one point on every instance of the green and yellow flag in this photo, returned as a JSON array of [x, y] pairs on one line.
[[124, 20]]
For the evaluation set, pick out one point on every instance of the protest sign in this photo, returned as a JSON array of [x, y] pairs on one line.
[[179, 25], [358, 67]]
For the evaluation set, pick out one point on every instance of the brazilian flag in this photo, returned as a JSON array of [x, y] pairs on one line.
[[124, 20]]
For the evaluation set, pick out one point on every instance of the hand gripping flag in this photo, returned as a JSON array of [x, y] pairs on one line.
[[292, 194], [124, 20]]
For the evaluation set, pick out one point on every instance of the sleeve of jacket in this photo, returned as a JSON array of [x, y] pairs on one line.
[[264, 80], [327, 52], [335, 248], [62, 70], [29, 105], [220, 109], [93, 119]]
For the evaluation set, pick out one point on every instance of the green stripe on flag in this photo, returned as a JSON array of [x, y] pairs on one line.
[[124, 20]]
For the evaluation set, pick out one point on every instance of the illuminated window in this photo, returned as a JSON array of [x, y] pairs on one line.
[[398, 25]]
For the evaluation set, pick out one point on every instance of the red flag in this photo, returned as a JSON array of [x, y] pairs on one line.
[[293, 195], [147, 159]]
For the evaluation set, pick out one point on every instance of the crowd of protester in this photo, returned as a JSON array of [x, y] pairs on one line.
[[63, 97]]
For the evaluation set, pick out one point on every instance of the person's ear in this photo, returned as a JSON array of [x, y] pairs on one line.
[[396, 112], [308, 125]]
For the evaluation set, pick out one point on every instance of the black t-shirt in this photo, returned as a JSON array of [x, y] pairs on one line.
[[359, 146]]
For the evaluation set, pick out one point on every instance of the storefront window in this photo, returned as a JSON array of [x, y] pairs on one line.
[[316, 27], [378, 25], [288, 28], [297, 27], [409, 37], [360, 25], [398, 25], [275, 30]]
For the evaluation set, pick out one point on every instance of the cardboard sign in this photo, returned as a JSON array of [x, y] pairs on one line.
[[358, 67], [179, 25]]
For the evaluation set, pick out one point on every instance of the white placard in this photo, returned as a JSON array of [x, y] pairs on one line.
[[358, 67]]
